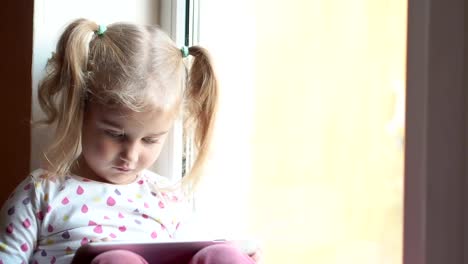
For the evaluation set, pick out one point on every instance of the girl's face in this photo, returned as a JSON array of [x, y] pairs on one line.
[[119, 143]]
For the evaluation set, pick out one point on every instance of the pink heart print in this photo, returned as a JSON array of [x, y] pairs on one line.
[[98, 229], [24, 247], [27, 187], [65, 201], [40, 215], [10, 229], [80, 190], [110, 201], [26, 223]]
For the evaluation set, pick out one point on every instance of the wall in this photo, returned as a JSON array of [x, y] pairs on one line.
[[15, 108]]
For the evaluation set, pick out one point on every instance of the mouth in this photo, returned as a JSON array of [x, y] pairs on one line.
[[123, 169]]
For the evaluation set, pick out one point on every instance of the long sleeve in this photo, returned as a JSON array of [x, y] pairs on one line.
[[19, 224]]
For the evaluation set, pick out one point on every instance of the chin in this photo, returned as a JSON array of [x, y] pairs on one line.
[[115, 177], [120, 180], [122, 177]]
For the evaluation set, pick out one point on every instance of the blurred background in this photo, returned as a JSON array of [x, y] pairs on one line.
[[309, 147]]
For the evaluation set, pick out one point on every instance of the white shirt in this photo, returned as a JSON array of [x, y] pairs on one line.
[[45, 220]]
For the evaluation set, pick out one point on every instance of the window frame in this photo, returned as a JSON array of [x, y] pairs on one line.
[[435, 154], [173, 21]]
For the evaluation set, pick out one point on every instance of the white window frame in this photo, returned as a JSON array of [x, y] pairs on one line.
[[172, 20], [180, 18]]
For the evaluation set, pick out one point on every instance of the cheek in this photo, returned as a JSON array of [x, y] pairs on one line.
[[151, 155], [100, 148]]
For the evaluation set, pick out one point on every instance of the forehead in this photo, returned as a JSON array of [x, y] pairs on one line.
[[154, 120]]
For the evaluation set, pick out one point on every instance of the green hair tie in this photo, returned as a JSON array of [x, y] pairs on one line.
[[101, 30], [185, 51]]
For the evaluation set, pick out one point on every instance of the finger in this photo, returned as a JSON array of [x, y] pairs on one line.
[[104, 239], [256, 256]]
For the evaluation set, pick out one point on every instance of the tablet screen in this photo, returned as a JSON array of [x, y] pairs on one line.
[[154, 253]]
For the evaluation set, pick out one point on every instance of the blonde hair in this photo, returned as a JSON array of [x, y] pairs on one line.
[[131, 66]]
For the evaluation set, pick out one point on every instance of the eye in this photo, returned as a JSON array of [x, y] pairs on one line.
[[151, 140], [114, 134]]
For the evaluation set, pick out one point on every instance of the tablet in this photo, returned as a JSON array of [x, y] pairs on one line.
[[157, 252]]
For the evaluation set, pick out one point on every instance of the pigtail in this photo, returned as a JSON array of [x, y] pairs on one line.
[[62, 93], [201, 97]]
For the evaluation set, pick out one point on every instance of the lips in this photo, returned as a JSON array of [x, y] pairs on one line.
[[123, 169]]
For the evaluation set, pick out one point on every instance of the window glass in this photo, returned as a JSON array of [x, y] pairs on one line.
[[308, 154]]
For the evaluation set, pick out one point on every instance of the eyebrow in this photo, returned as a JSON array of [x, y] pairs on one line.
[[116, 125], [158, 134], [109, 123]]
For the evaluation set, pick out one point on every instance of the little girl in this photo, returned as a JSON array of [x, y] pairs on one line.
[[112, 95]]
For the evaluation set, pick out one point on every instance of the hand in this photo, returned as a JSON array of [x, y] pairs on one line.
[[250, 247], [105, 239], [256, 256]]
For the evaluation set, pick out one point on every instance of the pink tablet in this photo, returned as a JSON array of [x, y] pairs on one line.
[[156, 253]]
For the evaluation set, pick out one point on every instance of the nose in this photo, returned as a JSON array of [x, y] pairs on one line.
[[130, 152]]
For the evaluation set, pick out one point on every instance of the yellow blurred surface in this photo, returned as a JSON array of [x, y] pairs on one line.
[[308, 152], [327, 184]]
